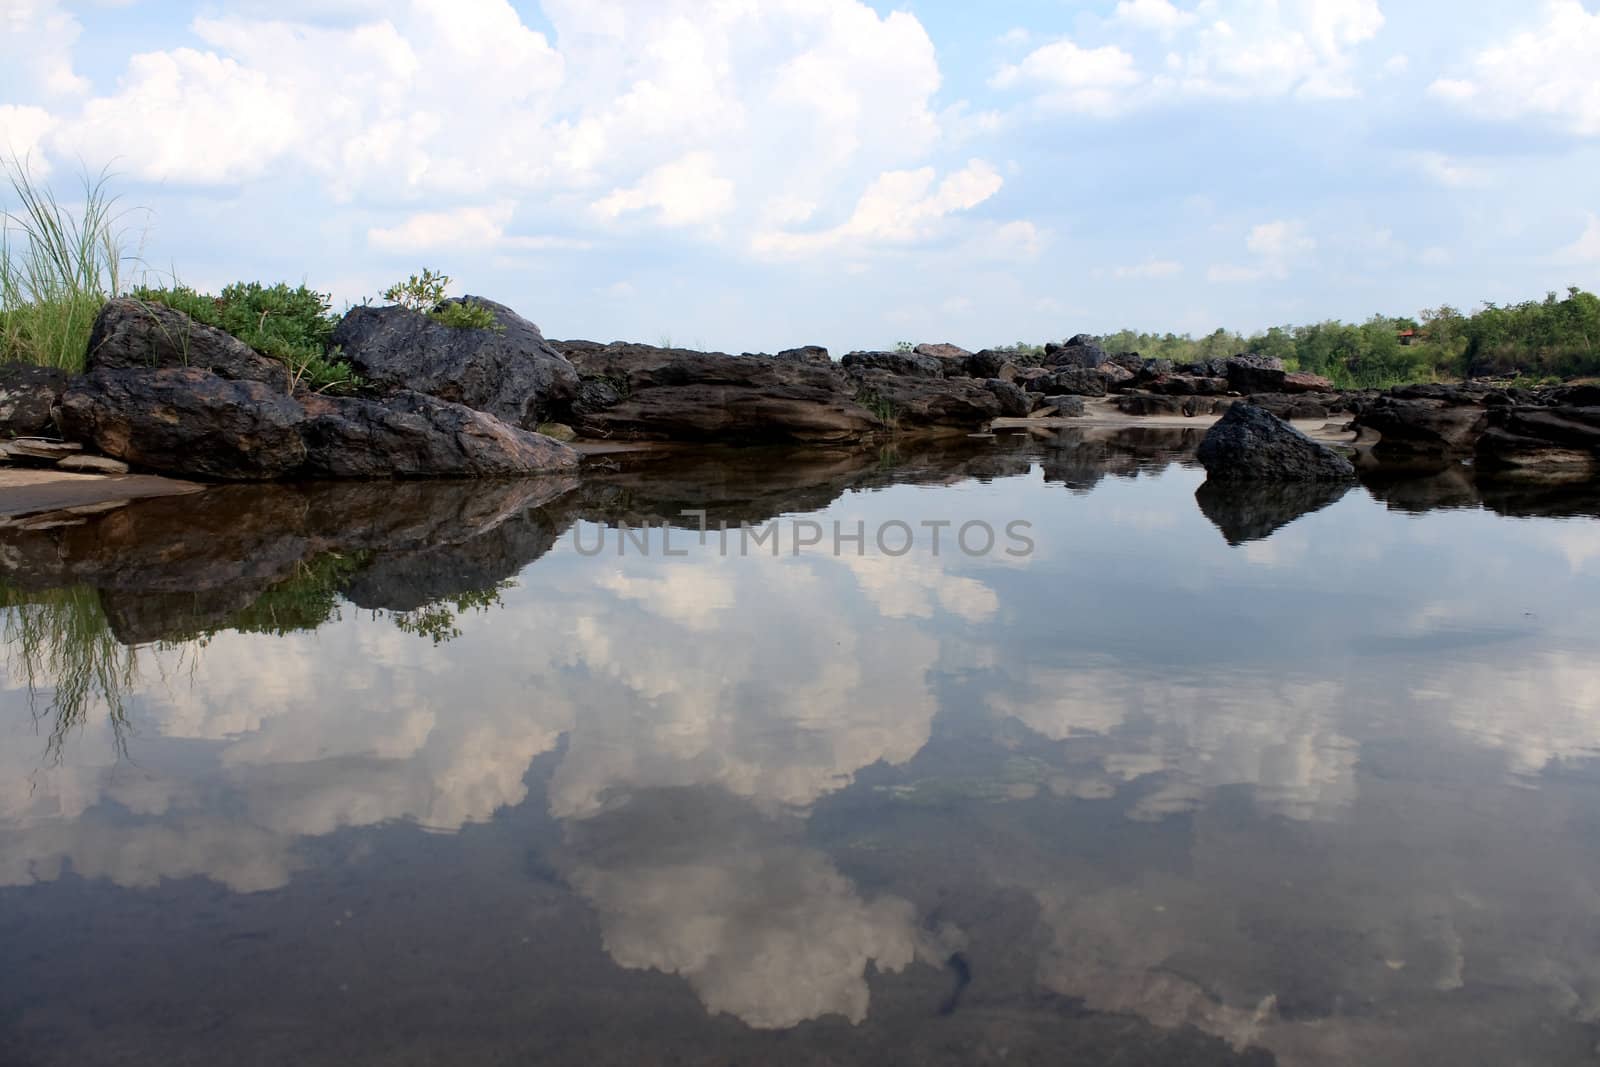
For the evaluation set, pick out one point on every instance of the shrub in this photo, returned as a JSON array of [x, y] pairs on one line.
[[465, 316], [425, 292], [294, 326]]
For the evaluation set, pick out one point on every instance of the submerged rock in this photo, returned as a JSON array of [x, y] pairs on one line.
[[193, 423], [29, 396], [509, 371], [1251, 444]]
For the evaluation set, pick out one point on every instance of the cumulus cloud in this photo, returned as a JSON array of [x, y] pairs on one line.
[[36, 41], [1586, 249], [1158, 15], [473, 227], [1068, 77], [1277, 247], [1545, 71]]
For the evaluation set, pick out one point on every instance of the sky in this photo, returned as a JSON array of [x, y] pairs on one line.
[[751, 175]]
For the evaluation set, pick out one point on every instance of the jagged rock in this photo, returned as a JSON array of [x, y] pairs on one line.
[[28, 398], [193, 423], [1250, 444], [133, 334], [913, 364], [640, 392], [511, 372], [988, 364], [1255, 374], [1014, 403], [1080, 351]]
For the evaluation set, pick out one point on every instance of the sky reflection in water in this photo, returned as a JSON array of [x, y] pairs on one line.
[[1325, 793]]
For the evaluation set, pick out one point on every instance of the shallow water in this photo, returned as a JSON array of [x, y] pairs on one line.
[[404, 775]]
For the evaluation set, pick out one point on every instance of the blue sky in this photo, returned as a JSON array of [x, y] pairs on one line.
[[755, 174]]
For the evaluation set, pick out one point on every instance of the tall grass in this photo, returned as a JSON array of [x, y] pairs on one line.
[[58, 266]]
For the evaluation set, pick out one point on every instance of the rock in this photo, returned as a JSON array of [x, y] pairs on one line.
[[914, 403], [510, 372], [942, 351], [92, 465], [1081, 351], [1255, 374], [640, 392], [1187, 385], [1077, 381], [1116, 375], [1284, 406], [557, 431], [1245, 511], [1250, 444], [1501, 450], [1432, 427], [1149, 404], [988, 364], [1034, 378], [1064, 407], [1306, 383], [191, 422], [133, 334], [806, 354], [28, 398], [912, 364], [37, 448], [1014, 403]]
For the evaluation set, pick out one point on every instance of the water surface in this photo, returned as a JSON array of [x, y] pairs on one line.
[[405, 775]]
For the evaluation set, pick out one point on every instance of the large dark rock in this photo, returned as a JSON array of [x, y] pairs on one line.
[[1286, 406], [640, 392], [1014, 403], [1427, 427], [133, 334], [1077, 381], [914, 364], [1306, 383], [1555, 442], [806, 354], [510, 372], [28, 398], [935, 403], [989, 363], [1256, 374], [1250, 444], [1080, 351], [193, 423], [1187, 385]]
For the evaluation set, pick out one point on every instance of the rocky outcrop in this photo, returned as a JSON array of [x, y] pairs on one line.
[[948, 404], [1142, 403], [508, 371], [644, 393], [911, 364], [1250, 444], [29, 396], [134, 334], [1306, 383], [192, 423], [1081, 351], [1255, 374], [1557, 442], [1410, 426]]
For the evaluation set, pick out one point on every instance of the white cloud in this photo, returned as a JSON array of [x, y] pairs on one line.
[[1095, 81], [684, 192], [36, 40], [898, 207], [1149, 269], [1245, 48], [1546, 72], [1157, 15], [1450, 172], [22, 132], [479, 228], [1277, 246], [1586, 249]]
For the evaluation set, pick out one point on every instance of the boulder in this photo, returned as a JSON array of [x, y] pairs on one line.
[[190, 422], [1306, 383], [1077, 381], [914, 403], [509, 371], [1014, 403], [1250, 444], [988, 364], [806, 354], [1255, 374], [643, 393], [942, 351], [1061, 407], [133, 334], [1187, 385], [1285, 406], [1430, 427], [913, 364], [1154, 404], [1081, 351], [29, 396], [92, 465]]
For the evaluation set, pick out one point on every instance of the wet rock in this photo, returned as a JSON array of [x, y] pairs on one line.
[[29, 396], [1246, 511], [1250, 444], [510, 371], [193, 423], [133, 334], [645, 393]]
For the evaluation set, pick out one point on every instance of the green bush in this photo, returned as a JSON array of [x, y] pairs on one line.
[[466, 316], [425, 293], [294, 326]]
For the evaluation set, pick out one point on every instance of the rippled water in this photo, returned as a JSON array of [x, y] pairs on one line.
[[401, 775]]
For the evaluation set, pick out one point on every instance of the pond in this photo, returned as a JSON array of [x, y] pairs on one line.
[[715, 757]]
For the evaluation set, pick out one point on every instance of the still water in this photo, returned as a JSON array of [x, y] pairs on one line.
[[411, 774]]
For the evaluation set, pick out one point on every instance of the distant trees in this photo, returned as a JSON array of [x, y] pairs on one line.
[[1554, 337]]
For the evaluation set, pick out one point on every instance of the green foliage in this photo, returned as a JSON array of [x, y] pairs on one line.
[[57, 269], [294, 326], [420, 292], [904, 346], [880, 406], [437, 621], [464, 315]]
